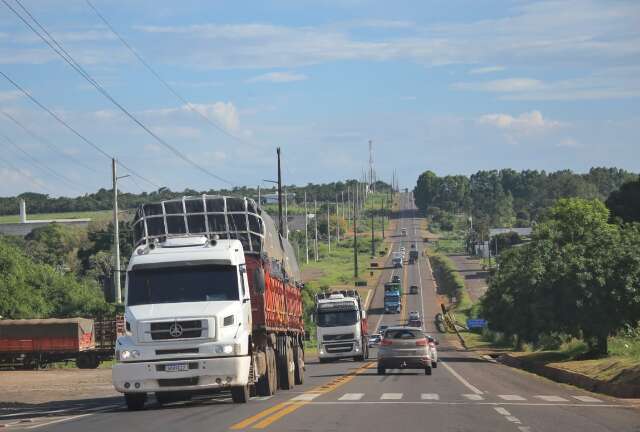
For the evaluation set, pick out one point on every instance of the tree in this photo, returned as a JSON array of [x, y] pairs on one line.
[[625, 202]]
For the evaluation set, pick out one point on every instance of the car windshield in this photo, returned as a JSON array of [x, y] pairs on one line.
[[182, 284], [403, 334], [337, 318]]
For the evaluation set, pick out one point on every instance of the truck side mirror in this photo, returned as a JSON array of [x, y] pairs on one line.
[[258, 279]]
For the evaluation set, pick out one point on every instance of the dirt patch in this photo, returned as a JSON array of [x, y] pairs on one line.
[[35, 387], [309, 274]]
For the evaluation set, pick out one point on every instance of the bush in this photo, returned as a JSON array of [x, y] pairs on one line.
[[449, 280]]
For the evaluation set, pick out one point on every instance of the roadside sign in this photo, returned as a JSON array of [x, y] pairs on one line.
[[476, 323]]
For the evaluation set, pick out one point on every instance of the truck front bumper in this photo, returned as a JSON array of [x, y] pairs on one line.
[[202, 374]]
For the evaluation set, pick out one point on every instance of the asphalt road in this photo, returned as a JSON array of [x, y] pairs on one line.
[[465, 393]]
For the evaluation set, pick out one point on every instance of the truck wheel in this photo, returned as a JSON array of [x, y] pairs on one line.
[[240, 394], [427, 370], [268, 383], [286, 367], [434, 364], [323, 360], [298, 357], [135, 401], [30, 362], [85, 361], [381, 370]]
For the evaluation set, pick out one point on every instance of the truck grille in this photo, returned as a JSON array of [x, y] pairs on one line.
[[339, 348], [176, 330], [337, 337], [178, 382]]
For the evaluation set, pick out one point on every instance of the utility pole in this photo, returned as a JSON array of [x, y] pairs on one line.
[[315, 219], [371, 166], [373, 243], [355, 242], [116, 234], [382, 214], [259, 198], [337, 222], [280, 194], [342, 202], [328, 227], [306, 228], [286, 214]]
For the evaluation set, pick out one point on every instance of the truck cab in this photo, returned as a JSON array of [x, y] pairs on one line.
[[392, 298], [341, 326], [187, 318]]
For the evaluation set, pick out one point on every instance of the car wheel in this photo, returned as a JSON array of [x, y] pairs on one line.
[[427, 370]]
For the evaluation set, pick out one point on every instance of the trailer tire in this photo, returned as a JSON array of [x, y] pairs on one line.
[[87, 361], [240, 394], [286, 367], [135, 401], [298, 352], [268, 384], [30, 362]]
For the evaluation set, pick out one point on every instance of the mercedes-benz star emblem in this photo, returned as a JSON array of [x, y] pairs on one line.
[[175, 330]]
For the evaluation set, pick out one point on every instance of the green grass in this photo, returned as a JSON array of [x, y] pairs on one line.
[[450, 245], [94, 215]]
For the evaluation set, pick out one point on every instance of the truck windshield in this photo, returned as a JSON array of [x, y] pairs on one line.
[[182, 284], [392, 298], [337, 318]]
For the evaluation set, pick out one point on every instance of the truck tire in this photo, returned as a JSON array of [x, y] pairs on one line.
[[240, 394], [298, 357], [286, 367], [268, 383], [427, 370], [135, 401], [434, 364], [381, 370], [87, 361]]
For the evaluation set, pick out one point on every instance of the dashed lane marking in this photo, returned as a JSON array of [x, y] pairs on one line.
[[306, 397], [475, 397], [430, 396], [549, 398], [587, 399], [513, 419], [391, 396], [511, 397], [351, 396], [502, 411]]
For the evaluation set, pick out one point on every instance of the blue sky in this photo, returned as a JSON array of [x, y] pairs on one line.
[[449, 86]]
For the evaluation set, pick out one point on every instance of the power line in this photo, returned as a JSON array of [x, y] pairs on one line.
[[25, 174], [74, 131], [36, 163], [83, 73], [157, 75], [47, 143]]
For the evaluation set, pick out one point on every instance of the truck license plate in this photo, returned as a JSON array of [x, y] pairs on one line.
[[176, 367]]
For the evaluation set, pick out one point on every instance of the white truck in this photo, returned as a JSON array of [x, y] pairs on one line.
[[213, 302], [341, 323]]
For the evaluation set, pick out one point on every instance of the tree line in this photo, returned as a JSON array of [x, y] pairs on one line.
[[508, 198], [103, 198]]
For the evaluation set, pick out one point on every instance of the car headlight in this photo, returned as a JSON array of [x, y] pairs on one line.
[[125, 355]]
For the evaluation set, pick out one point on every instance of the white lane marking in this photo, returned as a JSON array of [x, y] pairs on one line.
[[64, 419], [502, 411], [524, 428], [391, 396], [460, 403], [513, 419], [430, 396], [306, 397], [261, 398], [351, 396], [587, 399], [460, 378], [549, 398], [475, 397], [512, 397]]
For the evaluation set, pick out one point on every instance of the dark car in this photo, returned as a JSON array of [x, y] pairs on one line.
[[413, 289]]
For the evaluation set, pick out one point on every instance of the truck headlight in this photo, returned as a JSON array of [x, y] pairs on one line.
[[125, 355], [228, 349]]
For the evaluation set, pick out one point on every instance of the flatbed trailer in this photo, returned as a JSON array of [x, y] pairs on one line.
[[36, 343]]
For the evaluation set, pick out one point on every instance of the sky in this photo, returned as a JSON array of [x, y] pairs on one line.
[[449, 86]]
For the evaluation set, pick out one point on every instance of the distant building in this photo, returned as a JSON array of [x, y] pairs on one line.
[[24, 227]]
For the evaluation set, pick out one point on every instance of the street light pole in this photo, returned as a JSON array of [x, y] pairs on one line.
[[355, 241]]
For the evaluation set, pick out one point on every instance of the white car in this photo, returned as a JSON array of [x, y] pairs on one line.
[[432, 342], [413, 315], [374, 339]]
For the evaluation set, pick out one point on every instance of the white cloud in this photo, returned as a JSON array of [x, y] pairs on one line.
[[569, 143], [500, 86], [11, 95], [224, 114], [278, 77], [524, 123], [486, 70]]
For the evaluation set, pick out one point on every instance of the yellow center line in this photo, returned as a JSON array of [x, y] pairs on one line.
[[403, 299], [282, 409]]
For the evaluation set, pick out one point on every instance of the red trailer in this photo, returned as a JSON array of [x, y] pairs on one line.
[[35, 343]]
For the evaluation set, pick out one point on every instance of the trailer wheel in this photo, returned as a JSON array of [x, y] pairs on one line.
[[286, 367], [135, 401], [267, 384], [298, 353], [87, 361], [240, 394], [30, 362]]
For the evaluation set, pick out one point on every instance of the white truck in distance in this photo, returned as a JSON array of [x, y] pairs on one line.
[[341, 326], [205, 314]]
